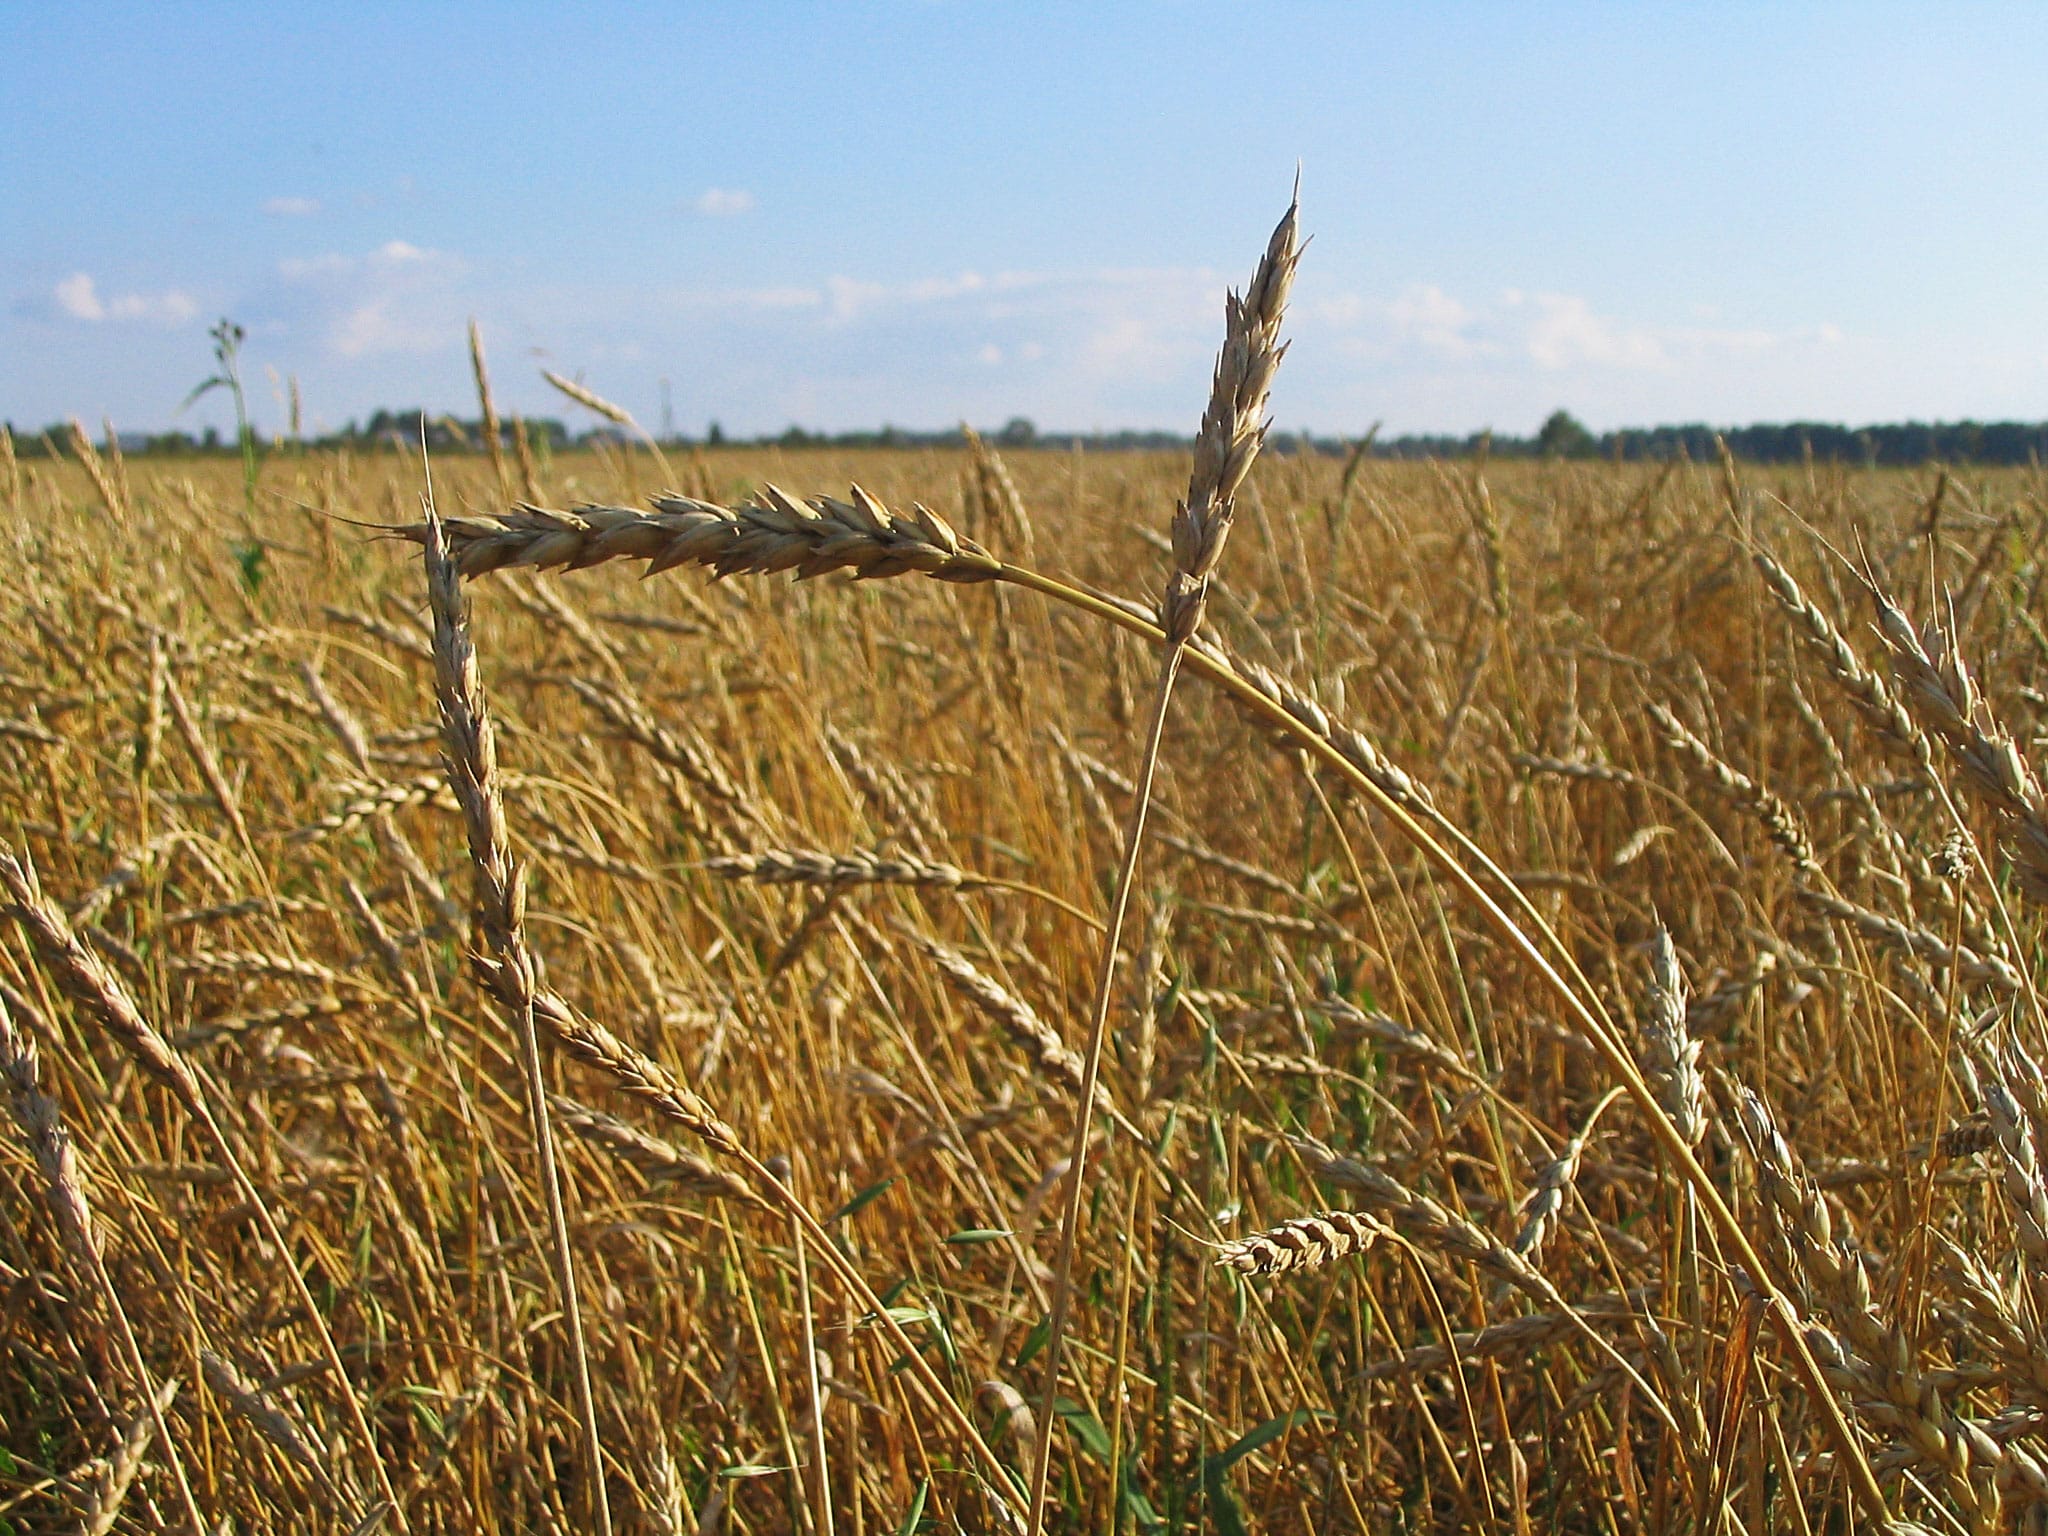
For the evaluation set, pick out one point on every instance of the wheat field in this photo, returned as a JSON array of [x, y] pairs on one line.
[[1571, 1063]]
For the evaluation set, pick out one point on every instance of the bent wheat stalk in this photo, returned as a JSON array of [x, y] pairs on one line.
[[514, 976], [647, 1080]]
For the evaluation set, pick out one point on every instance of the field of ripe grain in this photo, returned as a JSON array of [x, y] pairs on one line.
[[1566, 875]]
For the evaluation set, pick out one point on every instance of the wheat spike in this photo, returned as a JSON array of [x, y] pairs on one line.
[[1307, 1242]]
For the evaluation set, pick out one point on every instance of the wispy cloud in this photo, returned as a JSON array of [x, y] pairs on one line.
[[78, 298], [1547, 332], [1429, 358], [724, 203], [397, 299], [292, 207]]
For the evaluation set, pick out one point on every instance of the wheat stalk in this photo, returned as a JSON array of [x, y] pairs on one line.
[[510, 970], [1232, 432]]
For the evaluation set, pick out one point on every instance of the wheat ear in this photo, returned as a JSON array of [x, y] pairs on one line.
[[1307, 1242], [126, 1463], [493, 433], [591, 400], [514, 975], [1232, 432], [1929, 664], [85, 977], [50, 1143], [1867, 690]]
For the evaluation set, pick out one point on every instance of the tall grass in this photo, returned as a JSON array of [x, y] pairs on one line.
[[1572, 1064]]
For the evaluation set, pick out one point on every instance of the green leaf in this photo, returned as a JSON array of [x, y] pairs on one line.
[[861, 1201], [1139, 1508], [1224, 1513], [750, 1469], [1034, 1341], [1086, 1427], [909, 1525], [1214, 1467], [942, 1335], [201, 389], [980, 1235]]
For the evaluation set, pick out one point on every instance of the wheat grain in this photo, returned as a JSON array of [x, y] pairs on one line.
[[778, 533], [798, 866], [1307, 1242], [1780, 825]]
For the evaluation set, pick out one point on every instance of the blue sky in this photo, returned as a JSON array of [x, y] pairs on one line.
[[916, 211]]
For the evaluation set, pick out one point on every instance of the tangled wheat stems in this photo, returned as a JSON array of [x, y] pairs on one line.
[[86, 978], [858, 535]]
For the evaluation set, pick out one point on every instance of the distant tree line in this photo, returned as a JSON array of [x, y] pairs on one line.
[[383, 429], [1561, 436], [1889, 443]]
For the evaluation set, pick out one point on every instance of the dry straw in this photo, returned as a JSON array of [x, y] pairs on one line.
[[84, 977]]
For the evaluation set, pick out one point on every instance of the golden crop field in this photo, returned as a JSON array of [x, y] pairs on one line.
[[1571, 1062]]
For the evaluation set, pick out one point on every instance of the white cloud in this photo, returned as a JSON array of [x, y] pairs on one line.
[[379, 326], [398, 299], [78, 297], [1565, 331], [725, 203], [292, 207], [1432, 319], [1548, 333], [390, 257], [853, 298]]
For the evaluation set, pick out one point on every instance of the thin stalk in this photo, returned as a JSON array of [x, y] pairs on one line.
[[563, 1258], [1091, 1073], [823, 1467], [470, 746]]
